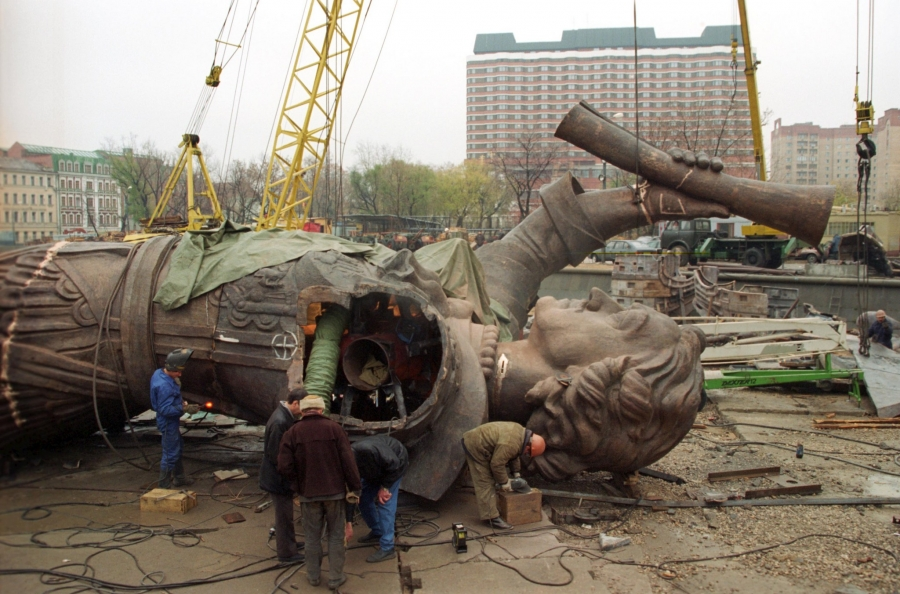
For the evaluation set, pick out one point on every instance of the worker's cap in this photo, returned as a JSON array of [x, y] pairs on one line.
[[312, 402], [177, 359]]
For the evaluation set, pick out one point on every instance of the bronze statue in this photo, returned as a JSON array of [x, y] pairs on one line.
[[610, 389]]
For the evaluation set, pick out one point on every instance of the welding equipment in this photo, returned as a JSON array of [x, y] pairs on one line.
[[459, 538]]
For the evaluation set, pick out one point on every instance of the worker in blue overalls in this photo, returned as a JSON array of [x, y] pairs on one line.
[[165, 399]]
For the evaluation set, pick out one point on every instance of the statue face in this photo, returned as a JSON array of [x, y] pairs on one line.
[[633, 387], [579, 332]]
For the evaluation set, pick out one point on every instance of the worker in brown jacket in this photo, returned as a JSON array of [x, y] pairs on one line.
[[316, 458], [489, 449]]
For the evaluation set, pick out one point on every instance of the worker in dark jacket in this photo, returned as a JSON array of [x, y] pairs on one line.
[[489, 449], [316, 458], [165, 400], [881, 330], [382, 461], [278, 486]]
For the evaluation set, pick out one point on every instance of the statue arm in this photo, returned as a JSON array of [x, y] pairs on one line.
[[570, 225]]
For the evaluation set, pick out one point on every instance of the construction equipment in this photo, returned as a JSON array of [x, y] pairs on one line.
[[196, 219], [759, 155], [307, 114]]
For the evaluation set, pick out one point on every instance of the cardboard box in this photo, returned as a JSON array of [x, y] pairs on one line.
[[520, 508], [169, 501]]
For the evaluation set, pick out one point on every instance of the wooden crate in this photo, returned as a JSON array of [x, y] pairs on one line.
[[168, 501], [520, 508]]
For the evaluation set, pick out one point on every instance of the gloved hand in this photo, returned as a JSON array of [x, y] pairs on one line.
[[192, 409], [507, 486]]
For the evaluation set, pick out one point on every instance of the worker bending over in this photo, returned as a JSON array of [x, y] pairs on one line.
[[489, 449], [881, 330], [382, 461]]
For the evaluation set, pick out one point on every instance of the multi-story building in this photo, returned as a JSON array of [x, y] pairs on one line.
[[690, 93], [90, 201], [809, 154], [29, 207]]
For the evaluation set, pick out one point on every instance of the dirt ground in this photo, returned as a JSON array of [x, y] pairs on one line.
[[73, 509]]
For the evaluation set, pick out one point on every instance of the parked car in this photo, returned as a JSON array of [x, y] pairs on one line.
[[810, 254], [620, 247]]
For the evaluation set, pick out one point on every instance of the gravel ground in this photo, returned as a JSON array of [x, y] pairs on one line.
[[829, 553]]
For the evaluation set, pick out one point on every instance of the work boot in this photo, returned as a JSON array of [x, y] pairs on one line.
[[369, 538], [381, 555], [334, 585], [499, 524], [165, 479], [180, 479]]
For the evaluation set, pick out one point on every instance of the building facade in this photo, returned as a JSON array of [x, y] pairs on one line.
[[690, 94], [809, 154], [30, 209], [90, 201]]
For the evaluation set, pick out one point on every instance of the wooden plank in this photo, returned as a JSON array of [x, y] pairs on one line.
[[891, 421], [746, 473], [859, 426], [776, 491]]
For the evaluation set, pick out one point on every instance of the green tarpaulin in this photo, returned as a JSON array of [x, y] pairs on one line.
[[206, 260]]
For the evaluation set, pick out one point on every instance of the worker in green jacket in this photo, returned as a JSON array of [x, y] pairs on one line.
[[489, 449]]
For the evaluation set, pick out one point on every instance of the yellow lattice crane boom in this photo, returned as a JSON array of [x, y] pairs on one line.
[[307, 115]]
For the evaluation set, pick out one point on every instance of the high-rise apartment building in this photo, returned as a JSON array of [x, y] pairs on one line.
[[809, 154], [90, 201], [690, 93], [29, 210]]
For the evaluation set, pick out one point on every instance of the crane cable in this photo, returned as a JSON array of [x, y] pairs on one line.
[[865, 150], [238, 94], [204, 101]]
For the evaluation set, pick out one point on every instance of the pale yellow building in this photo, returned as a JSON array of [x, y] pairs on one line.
[[29, 204], [886, 225]]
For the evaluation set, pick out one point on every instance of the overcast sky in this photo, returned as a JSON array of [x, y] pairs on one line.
[[79, 74]]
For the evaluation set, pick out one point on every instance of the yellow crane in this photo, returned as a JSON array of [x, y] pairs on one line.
[[759, 155], [196, 219], [307, 115]]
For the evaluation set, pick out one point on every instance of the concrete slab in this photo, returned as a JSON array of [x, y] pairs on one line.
[[882, 372]]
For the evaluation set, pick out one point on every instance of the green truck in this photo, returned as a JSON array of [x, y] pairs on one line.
[[697, 241]]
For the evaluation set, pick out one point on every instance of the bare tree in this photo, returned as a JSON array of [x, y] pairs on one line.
[[526, 166], [141, 170], [240, 196]]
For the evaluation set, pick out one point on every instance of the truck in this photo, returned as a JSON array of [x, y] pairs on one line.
[[696, 240]]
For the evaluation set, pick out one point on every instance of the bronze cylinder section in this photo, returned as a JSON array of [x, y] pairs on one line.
[[801, 211]]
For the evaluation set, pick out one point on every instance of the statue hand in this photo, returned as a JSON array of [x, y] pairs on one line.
[[701, 160]]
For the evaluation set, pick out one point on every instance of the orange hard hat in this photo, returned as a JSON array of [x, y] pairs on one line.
[[537, 445]]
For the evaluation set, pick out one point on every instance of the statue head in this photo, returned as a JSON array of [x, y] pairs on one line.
[[628, 390]]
